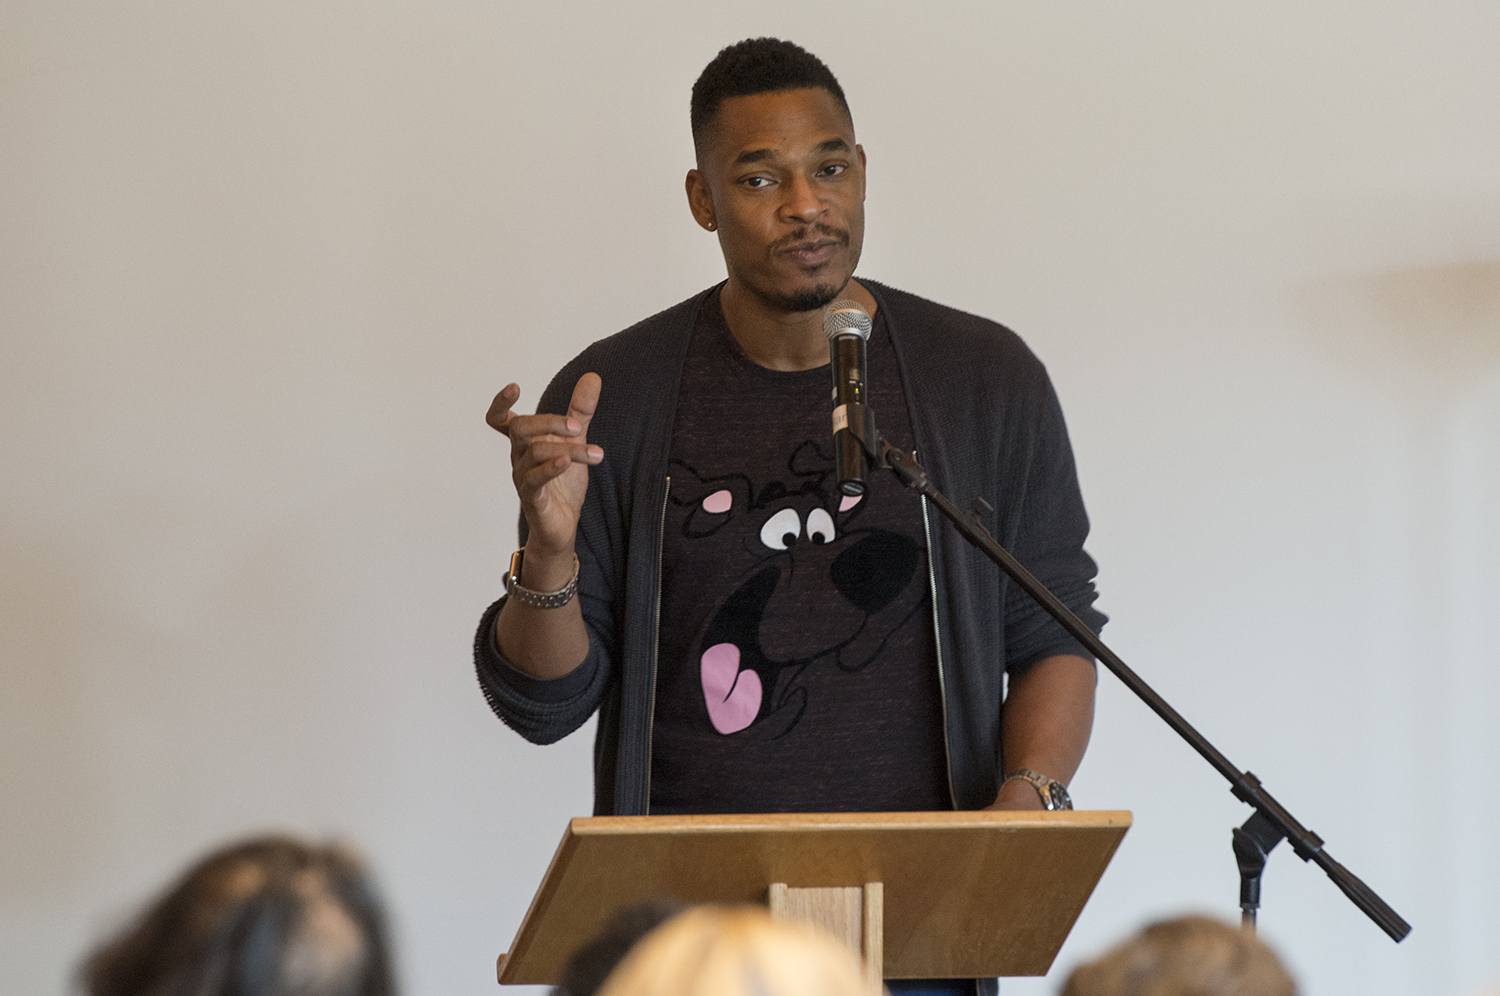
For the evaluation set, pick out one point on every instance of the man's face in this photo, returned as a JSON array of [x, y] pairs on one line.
[[784, 184]]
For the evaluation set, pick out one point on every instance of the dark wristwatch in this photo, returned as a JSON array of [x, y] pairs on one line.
[[1053, 792]]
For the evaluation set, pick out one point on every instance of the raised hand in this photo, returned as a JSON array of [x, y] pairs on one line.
[[549, 458]]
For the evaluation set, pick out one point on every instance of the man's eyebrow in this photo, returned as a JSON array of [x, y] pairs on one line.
[[762, 155], [754, 156]]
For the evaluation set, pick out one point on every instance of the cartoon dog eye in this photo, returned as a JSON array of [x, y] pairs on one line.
[[819, 526], [781, 530]]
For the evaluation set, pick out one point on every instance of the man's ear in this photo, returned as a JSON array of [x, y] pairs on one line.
[[700, 200]]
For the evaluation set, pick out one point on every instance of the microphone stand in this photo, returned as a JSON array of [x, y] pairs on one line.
[[1267, 826]]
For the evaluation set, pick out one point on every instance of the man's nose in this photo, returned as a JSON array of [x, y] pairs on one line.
[[802, 201]]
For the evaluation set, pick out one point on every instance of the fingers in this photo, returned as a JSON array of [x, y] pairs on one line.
[[530, 483], [544, 446], [543, 462], [549, 454], [547, 450], [499, 414], [524, 428], [585, 399]]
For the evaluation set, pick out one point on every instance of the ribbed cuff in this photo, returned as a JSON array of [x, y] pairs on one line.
[[542, 690]]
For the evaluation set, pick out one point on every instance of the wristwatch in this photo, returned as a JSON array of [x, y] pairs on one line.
[[1053, 792], [539, 599]]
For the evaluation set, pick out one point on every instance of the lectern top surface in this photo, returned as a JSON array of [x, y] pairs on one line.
[[967, 894], [813, 822]]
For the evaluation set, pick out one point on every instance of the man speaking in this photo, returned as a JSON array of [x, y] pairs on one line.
[[753, 639]]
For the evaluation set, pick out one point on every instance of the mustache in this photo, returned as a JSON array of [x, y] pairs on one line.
[[810, 233]]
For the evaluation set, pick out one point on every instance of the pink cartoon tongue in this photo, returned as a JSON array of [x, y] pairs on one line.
[[732, 695]]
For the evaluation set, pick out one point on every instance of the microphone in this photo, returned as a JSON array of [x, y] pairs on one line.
[[848, 327]]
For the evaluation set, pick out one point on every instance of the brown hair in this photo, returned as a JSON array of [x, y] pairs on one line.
[[737, 951], [267, 917], [1188, 956]]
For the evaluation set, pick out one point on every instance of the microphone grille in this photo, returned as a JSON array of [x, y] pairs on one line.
[[844, 315]]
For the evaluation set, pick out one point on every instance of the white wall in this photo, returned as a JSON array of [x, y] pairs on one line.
[[262, 266]]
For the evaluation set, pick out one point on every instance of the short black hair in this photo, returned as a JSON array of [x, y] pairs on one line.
[[757, 65]]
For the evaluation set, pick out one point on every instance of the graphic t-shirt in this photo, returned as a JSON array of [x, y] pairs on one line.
[[797, 669]]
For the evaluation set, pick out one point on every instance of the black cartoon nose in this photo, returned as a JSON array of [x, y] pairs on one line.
[[873, 571]]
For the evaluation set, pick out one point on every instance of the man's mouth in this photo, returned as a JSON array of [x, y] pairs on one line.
[[812, 251]]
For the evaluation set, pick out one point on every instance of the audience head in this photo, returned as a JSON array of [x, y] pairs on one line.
[[591, 964], [268, 917], [1188, 956], [737, 951]]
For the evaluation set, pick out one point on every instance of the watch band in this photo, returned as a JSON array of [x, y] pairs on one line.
[[539, 599], [1053, 792]]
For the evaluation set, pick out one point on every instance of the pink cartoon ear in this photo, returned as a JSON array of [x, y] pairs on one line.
[[718, 503], [848, 502]]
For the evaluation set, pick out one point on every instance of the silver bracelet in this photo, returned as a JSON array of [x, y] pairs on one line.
[[1053, 792], [539, 599]]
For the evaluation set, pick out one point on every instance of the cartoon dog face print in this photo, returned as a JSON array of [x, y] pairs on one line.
[[813, 587]]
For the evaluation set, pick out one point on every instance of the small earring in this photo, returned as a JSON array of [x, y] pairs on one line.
[[712, 225]]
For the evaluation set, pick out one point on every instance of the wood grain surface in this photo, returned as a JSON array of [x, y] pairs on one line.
[[965, 894]]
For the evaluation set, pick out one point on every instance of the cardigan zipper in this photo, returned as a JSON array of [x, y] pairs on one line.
[[661, 537], [937, 639]]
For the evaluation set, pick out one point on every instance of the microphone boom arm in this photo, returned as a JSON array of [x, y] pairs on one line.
[[1271, 821]]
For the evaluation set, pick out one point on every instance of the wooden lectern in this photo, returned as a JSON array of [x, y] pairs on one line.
[[918, 895]]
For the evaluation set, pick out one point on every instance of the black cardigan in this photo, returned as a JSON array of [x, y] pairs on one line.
[[986, 423]]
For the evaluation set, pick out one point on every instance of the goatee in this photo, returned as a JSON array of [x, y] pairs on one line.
[[807, 299]]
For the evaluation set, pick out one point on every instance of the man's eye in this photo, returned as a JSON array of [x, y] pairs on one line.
[[757, 182], [834, 169]]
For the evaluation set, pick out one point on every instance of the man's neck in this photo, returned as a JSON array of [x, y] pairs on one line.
[[782, 340]]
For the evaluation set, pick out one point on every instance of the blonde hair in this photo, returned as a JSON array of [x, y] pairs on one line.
[[737, 951], [1188, 956]]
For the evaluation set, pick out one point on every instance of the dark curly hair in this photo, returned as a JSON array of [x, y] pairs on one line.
[[268, 917], [757, 65]]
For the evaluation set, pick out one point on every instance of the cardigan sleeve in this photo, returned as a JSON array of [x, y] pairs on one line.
[[541, 710], [1049, 542]]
